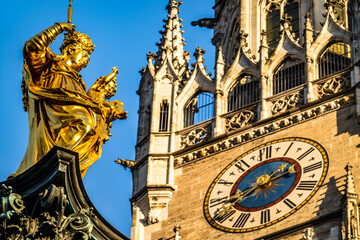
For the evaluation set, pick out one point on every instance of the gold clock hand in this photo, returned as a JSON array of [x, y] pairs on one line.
[[238, 196], [290, 170], [225, 208], [261, 181]]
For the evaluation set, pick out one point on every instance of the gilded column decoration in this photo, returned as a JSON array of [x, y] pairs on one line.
[[61, 111]]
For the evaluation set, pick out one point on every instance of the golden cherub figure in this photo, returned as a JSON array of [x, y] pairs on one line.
[[61, 112]]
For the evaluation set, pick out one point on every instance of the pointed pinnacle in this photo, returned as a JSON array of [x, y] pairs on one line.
[[220, 57], [350, 185]]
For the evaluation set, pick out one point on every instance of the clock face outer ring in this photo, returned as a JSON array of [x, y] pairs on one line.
[[218, 226]]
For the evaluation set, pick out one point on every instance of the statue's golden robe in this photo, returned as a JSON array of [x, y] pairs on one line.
[[60, 111]]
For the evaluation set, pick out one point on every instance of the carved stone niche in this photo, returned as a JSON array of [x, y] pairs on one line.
[[153, 201], [49, 201]]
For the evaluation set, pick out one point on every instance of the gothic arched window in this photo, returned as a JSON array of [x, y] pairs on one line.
[[339, 12], [277, 11], [244, 92], [164, 115], [292, 10], [290, 73], [335, 58], [199, 108], [273, 28]]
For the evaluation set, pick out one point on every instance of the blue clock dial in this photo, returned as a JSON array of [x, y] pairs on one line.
[[273, 182], [265, 185]]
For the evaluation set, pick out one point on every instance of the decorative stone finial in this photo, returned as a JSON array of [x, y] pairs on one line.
[[309, 31], [350, 185], [285, 21], [150, 56], [199, 54], [309, 234], [152, 218], [263, 38], [173, 4], [176, 231], [308, 24]]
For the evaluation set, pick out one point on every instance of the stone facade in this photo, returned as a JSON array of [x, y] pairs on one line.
[[303, 82]]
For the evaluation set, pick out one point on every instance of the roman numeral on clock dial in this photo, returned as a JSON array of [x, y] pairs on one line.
[[306, 185], [289, 203], [242, 165], [302, 156], [312, 167], [225, 216], [226, 183], [265, 216], [216, 201], [241, 221], [287, 150], [266, 151]]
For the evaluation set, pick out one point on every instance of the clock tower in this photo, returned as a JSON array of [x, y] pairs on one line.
[[268, 147]]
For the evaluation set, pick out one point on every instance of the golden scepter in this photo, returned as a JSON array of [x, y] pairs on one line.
[[70, 12]]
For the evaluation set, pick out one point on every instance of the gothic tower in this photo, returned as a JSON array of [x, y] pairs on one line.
[[268, 148]]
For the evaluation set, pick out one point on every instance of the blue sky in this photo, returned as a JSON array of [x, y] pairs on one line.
[[123, 32]]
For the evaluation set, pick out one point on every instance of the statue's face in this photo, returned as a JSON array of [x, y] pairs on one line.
[[110, 89], [76, 57]]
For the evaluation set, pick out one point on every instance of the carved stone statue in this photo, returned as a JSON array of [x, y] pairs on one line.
[[61, 112]]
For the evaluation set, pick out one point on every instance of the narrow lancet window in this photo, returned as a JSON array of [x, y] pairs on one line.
[[292, 10], [290, 74], [334, 59], [339, 12], [273, 28], [245, 92], [147, 123], [199, 109], [164, 116]]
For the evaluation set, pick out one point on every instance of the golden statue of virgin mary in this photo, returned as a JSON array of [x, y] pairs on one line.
[[61, 111]]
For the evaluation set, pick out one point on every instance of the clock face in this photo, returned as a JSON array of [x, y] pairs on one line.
[[265, 185]]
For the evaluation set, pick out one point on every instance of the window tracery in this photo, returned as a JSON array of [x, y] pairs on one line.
[[276, 10]]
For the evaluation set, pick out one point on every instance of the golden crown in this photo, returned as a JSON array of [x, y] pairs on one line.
[[78, 38]]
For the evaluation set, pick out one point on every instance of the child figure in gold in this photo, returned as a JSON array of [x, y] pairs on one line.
[[61, 112]]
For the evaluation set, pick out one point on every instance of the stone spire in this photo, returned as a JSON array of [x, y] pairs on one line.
[[350, 185], [172, 43], [350, 225]]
